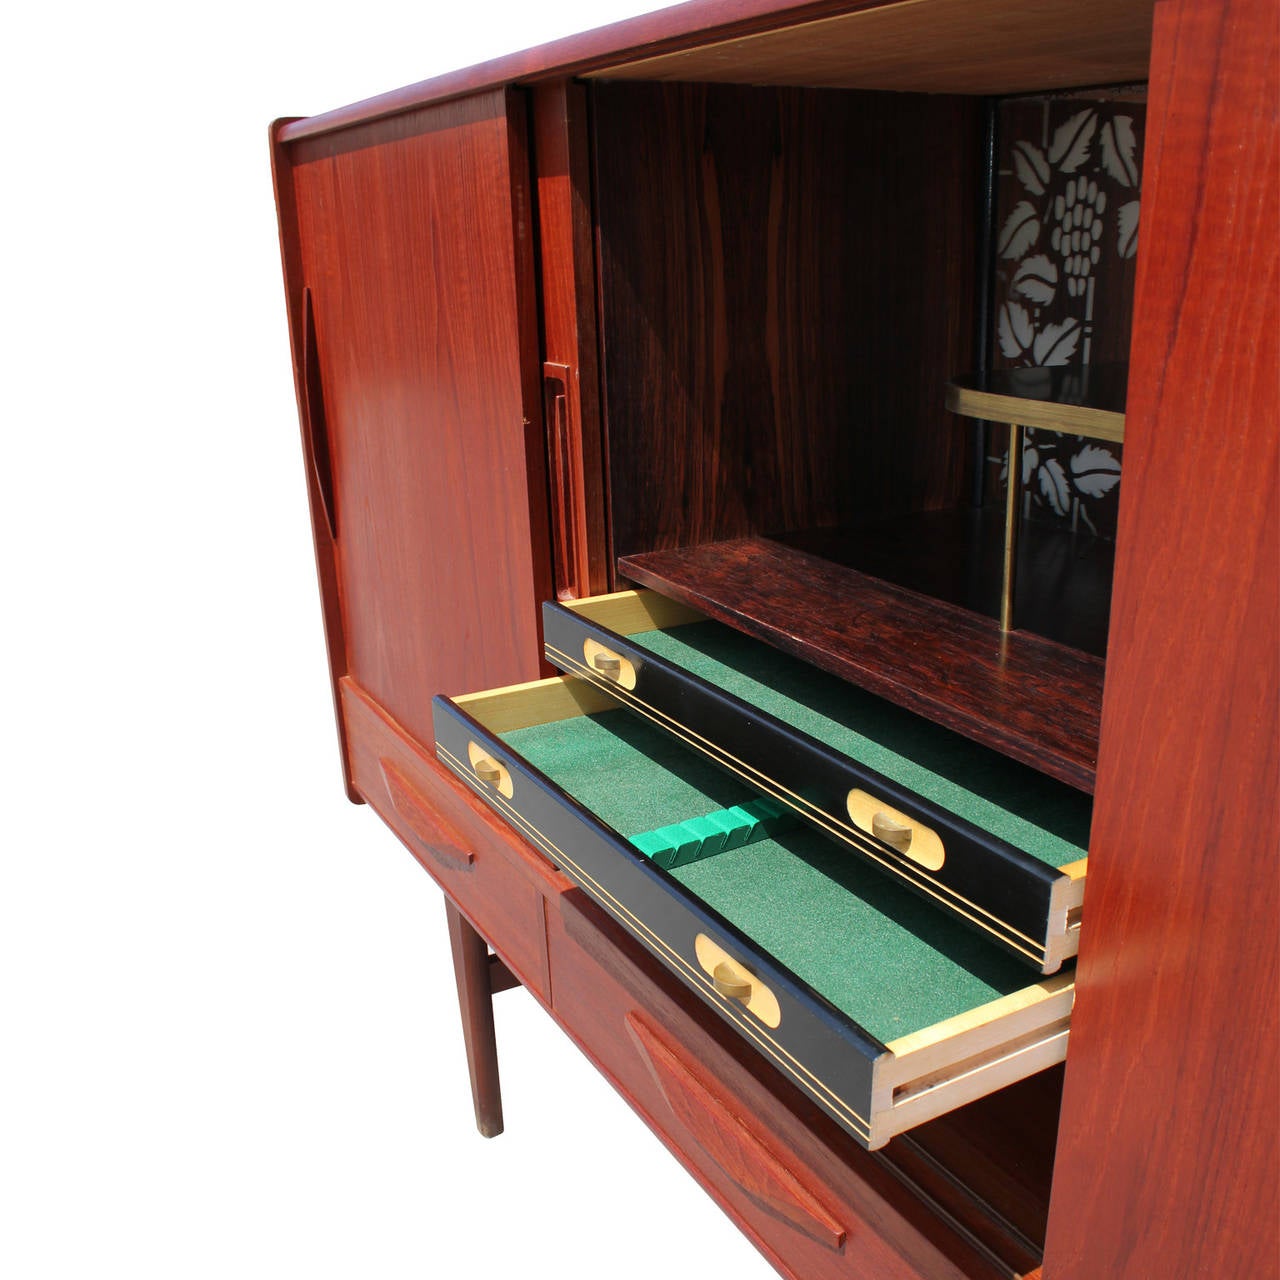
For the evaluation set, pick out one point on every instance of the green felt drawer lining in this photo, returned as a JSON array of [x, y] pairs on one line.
[[876, 951], [1030, 811]]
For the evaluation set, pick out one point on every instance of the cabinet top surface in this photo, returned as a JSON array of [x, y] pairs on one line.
[[936, 46]]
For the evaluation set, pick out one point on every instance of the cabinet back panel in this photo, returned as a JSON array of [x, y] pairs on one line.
[[786, 280]]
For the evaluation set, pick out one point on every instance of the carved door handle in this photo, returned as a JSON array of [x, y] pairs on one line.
[[711, 1117], [317, 429]]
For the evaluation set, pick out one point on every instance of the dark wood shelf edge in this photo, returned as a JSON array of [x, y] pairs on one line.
[[1031, 699]]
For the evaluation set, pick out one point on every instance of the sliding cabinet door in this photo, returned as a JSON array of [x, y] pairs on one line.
[[409, 268]]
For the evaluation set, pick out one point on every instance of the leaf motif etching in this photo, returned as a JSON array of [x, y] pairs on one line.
[[1094, 471], [1127, 239], [1119, 146], [1071, 141], [1021, 230]]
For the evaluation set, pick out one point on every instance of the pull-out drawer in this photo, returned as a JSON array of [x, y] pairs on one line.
[[994, 842], [882, 1009], [814, 1203]]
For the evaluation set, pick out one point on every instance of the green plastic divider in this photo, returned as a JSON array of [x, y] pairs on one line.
[[684, 842]]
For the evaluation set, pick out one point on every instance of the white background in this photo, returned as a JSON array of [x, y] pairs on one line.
[[228, 1038]]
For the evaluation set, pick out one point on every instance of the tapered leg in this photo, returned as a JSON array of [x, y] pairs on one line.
[[475, 998]]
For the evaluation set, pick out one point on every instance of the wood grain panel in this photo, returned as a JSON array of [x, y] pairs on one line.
[[600, 977], [1015, 692], [568, 278], [496, 879], [786, 282], [945, 46], [1168, 1159], [740, 1148], [998, 1150], [1064, 42], [301, 339], [416, 245]]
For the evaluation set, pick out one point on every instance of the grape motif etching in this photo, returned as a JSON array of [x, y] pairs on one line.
[[1076, 205]]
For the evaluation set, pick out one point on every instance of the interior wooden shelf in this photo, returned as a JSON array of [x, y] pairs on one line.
[[1086, 401], [1063, 589], [1029, 697]]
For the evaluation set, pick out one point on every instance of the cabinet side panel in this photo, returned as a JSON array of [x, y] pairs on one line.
[[322, 537], [1167, 1159], [787, 282], [416, 245]]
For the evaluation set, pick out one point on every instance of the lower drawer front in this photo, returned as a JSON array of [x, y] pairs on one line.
[[495, 879], [884, 1012], [814, 1203]]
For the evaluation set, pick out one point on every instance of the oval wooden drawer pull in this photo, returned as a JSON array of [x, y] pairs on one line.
[[898, 830], [487, 771], [894, 833], [730, 981], [612, 666], [493, 773], [735, 981]]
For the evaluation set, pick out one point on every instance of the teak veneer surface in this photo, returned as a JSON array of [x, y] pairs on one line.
[[301, 318], [1029, 698], [425, 335], [604, 983]]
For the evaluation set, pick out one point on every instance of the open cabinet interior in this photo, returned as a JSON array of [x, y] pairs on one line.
[[798, 251], [790, 278]]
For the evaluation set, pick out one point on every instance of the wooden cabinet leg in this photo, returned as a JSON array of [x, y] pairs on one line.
[[471, 970]]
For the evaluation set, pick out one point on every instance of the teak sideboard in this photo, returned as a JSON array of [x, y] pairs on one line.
[[675, 305]]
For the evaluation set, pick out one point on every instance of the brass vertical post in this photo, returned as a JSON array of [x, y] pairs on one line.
[[1011, 513]]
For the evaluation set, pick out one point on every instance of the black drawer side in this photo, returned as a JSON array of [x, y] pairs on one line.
[[996, 888], [823, 1051]]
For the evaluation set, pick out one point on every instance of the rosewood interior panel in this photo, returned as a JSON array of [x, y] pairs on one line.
[[786, 283], [1015, 692], [415, 244]]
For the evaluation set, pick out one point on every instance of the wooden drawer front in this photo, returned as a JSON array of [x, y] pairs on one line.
[[493, 878], [1027, 905], [861, 953], [810, 1199]]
